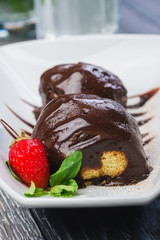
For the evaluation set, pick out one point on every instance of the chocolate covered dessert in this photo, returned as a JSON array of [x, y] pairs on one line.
[[81, 78], [102, 129]]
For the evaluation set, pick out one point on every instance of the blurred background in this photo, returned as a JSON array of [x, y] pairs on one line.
[[22, 20]]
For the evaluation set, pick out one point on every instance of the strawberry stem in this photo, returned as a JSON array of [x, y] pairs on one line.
[[9, 129]]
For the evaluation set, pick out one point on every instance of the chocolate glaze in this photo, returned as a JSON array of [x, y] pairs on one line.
[[81, 78], [93, 125]]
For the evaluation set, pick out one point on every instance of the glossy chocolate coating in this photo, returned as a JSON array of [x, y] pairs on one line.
[[81, 78], [93, 125]]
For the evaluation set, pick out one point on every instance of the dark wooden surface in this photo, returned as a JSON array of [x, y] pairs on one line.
[[16, 222]]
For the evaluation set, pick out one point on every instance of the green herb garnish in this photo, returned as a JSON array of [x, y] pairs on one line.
[[61, 181], [33, 191], [68, 169], [66, 190], [13, 174]]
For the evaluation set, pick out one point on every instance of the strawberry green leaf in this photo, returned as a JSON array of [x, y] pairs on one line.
[[68, 169], [13, 174], [66, 190], [33, 191]]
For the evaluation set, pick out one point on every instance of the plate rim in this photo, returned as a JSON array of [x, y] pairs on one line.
[[81, 202], [49, 202], [81, 38]]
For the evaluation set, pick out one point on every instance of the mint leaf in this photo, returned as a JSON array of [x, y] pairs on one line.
[[61, 182], [33, 191], [13, 174], [68, 169], [66, 190]]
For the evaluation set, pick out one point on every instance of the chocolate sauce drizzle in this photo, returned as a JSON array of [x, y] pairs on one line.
[[144, 135], [143, 98], [148, 141], [9, 129], [138, 114], [142, 122], [20, 118], [28, 103]]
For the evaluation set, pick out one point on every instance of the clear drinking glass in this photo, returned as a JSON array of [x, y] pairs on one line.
[[76, 17]]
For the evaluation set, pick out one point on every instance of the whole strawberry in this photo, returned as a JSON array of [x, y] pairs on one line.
[[28, 159]]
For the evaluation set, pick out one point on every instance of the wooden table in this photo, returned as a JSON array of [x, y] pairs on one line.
[[137, 16]]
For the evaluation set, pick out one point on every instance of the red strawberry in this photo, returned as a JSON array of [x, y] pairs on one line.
[[28, 159]]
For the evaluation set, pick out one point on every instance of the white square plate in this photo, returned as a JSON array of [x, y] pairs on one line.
[[135, 59]]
